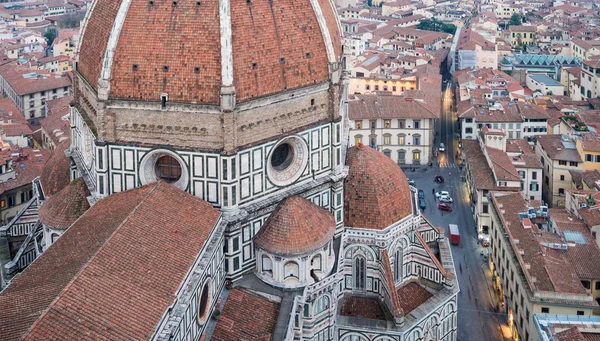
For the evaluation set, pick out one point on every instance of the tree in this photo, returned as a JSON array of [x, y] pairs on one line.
[[436, 25], [515, 19], [50, 35]]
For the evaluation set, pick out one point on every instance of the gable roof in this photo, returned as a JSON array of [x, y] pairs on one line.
[[75, 281]]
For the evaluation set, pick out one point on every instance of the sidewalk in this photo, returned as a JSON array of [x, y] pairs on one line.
[[495, 299]]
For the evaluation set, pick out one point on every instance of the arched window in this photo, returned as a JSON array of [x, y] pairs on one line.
[[267, 265], [291, 270], [321, 304], [398, 262], [316, 263], [360, 276], [589, 94]]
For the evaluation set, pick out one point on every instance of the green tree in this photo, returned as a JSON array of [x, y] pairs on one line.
[[50, 35], [515, 20]]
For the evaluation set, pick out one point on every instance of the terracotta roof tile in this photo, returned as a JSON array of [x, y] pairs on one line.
[[481, 173], [376, 191], [390, 285], [75, 279], [368, 308], [246, 316], [64, 207], [56, 172], [276, 46], [571, 334], [412, 295], [296, 226]]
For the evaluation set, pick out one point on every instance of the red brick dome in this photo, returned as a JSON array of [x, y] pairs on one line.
[[55, 174], [376, 192], [64, 207], [190, 49], [296, 226]]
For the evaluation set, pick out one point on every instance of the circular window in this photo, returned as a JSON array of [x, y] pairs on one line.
[[287, 161], [166, 166], [168, 169], [282, 157], [204, 304]]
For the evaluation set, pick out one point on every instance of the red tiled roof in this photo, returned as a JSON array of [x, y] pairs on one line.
[[571, 334], [259, 34], [503, 168], [376, 192], [296, 226], [56, 172], [64, 207], [390, 285], [246, 316], [363, 307], [412, 295], [26, 167], [90, 282], [13, 75], [481, 173]]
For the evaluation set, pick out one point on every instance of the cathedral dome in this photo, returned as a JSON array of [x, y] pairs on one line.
[[296, 226], [55, 174], [64, 207], [376, 191], [190, 50]]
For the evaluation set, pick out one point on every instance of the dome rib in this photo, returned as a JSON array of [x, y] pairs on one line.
[[142, 50], [376, 191], [296, 226]]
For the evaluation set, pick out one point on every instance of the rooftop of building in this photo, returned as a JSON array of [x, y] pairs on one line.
[[158, 216], [25, 81], [545, 265], [558, 147], [544, 79], [482, 174]]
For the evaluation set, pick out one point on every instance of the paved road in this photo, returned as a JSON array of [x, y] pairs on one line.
[[478, 316]]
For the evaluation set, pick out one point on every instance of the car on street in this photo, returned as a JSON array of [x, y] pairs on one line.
[[421, 194], [442, 194], [446, 198], [442, 147], [439, 179], [411, 182], [422, 204], [445, 207]]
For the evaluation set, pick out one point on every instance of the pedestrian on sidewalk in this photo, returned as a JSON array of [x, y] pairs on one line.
[[460, 267]]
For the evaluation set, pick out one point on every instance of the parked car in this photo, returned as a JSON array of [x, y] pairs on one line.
[[411, 182], [442, 194], [446, 198], [445, 207], [442, 147], [422, 203], [439, 179], [421, 194]]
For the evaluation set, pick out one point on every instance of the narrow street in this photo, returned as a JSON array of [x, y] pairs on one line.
[[479, 317]]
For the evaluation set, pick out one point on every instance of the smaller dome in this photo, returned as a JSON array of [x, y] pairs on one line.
[[55, 175], [376, 191], [64, 207], [296, 226]]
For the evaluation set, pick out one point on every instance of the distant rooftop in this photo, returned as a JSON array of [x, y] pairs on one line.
[[544, 79]]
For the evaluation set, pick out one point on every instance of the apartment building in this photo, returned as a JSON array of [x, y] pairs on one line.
[[521, 34], [585, 205], [30, 89], [584, 49], [535, 269], [590, 82], [516, 119], [539, 82], [497, 164], [474, 51], [558, 155], [401, 127]]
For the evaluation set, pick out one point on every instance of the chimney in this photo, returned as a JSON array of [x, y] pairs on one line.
[[527, 223]]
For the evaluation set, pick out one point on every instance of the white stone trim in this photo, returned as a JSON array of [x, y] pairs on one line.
[[226, 47], [83, 27], [324, 31], [113, 39]]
